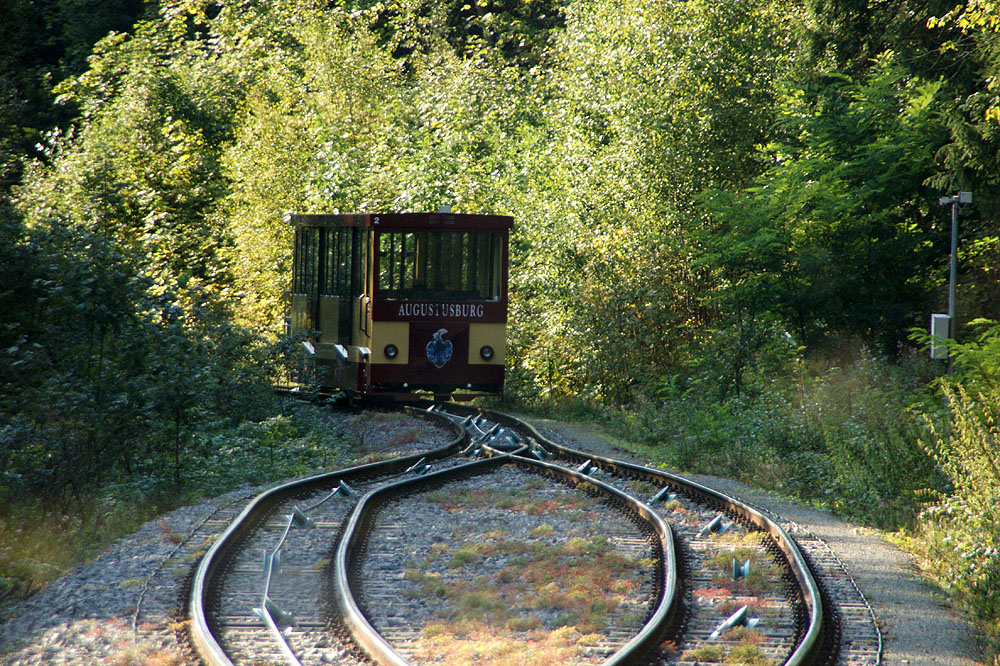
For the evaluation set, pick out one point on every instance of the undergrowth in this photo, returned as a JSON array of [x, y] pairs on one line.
[[958, 536], [842, 436], [43, 537]]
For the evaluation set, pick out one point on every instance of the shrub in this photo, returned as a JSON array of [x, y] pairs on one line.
[[750, 655], [961, 534]]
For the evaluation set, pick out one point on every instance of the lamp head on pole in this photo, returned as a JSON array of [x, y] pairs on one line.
[[962, 198]]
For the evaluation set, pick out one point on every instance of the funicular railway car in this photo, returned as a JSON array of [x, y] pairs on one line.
[[399, 303]]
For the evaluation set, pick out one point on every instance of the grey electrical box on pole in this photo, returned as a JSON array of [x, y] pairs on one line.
[[939, 333]]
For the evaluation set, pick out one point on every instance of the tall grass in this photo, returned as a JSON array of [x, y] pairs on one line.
[[40, 539]]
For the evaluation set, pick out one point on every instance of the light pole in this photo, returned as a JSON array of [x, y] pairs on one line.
[[960, 199]]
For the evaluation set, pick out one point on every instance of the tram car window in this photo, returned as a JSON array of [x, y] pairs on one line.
[[463, 266], [396, 304]]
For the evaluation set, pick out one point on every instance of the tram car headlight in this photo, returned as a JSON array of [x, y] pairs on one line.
[[486, 352], [391, 351]]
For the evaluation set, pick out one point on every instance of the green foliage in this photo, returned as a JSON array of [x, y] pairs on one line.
[[977, 361], [664, 102], [839, 234], [119, 352], [967, 35], [712, 654], [41, 540], [843, 436], [305, 133], [516, 30], [207, 123], [847, 36], [43, 534], [644, 114], [857, 442], [103, 375], [41, 42], [959, 536], [749, 655], [704, 199], [66, 374]]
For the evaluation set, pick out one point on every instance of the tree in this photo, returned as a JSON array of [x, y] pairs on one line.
[[308, 135], [647, 104], [41, 43], [121, 348], [840, 234]]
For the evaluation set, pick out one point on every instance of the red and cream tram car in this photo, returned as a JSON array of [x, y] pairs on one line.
[[402, 302]]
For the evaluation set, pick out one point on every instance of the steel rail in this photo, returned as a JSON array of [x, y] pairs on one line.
[[351, 545], [213, 654], [812, 640], [202, 638]]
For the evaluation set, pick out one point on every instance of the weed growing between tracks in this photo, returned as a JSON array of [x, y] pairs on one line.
[[764, 575], [746, 653]]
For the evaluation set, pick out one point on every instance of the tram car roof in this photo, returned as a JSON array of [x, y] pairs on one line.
[[430, 221]]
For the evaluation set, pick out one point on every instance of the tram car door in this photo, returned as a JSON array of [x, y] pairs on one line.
[[331, 301]]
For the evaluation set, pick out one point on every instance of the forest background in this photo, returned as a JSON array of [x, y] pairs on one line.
[[728, 241]]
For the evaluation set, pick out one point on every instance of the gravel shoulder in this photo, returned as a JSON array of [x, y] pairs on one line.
[[918, 626]]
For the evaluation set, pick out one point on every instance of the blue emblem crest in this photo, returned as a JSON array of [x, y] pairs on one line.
[[439, 350]]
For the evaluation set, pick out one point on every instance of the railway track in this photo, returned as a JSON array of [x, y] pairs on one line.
[[501, 542]]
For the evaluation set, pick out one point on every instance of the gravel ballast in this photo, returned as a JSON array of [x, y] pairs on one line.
[[119, 608]]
